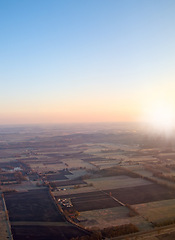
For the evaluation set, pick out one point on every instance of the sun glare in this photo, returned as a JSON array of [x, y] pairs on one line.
[[161, 117]]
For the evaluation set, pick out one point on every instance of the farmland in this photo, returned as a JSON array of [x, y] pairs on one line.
[[142, 194], [115, 182], [91, 200], [58, 183], [111, 217], [34, 205], [33, 215], [157, 211], [45, 232]]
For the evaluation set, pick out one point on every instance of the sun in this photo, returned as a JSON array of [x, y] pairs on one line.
[[161, 117]]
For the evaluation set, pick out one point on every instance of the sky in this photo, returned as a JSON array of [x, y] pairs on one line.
[[85, 61]]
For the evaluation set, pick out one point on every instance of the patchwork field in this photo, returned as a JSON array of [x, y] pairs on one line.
[[34, 205], [157, 211], [117, 182], [22, 187], [142, 194], [104, 217], [76, 174], [111, 217], [106, 164], [42, 168], [143, 159], [139, 169], [70, 190], [45, 232], [97, 173], [33, 215], [54, 177], [69, 182], [77, 163], [91, 201]]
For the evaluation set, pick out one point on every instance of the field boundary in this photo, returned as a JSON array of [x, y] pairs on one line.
[[7, 218], [66, 217], [145, 234]]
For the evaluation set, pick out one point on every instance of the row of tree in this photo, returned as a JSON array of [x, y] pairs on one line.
[[110, 232], [164, 222]]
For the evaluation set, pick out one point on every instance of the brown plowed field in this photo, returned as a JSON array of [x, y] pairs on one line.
[[34, 205], [45, 232], [69, 182], [91, 201], [142, 194], [53, 177]]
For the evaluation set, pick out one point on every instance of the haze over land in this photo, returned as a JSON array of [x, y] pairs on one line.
[[86, 181], [86, 61], [87, 113]]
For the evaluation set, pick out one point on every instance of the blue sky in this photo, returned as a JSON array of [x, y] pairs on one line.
[[84, 60]]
